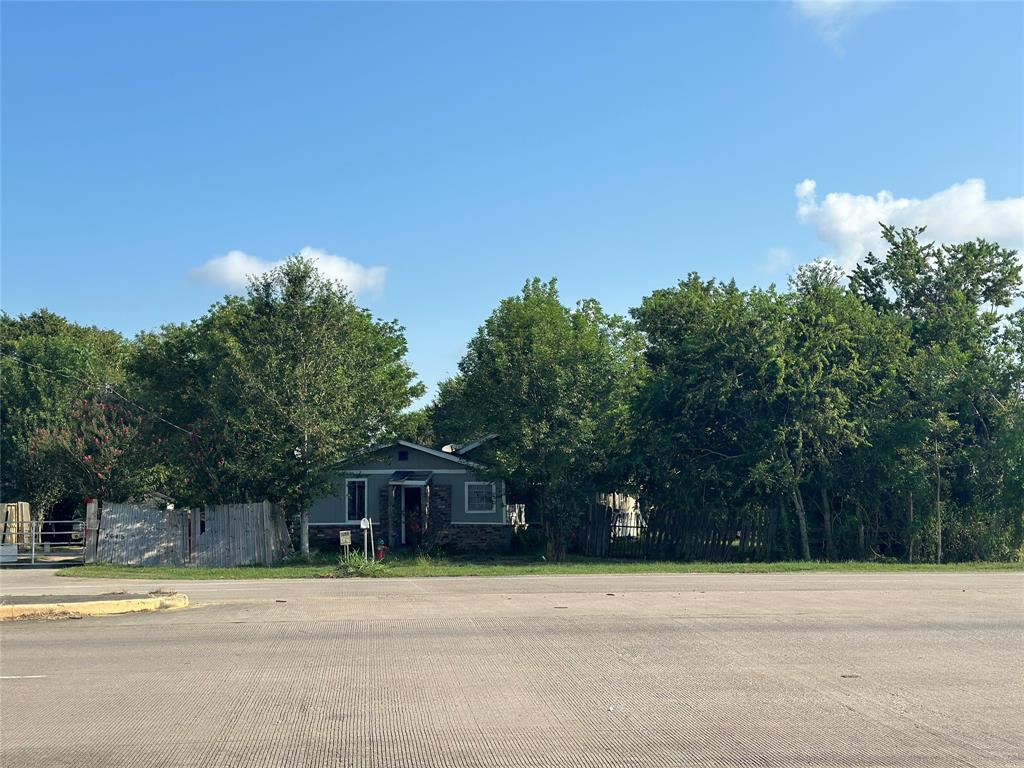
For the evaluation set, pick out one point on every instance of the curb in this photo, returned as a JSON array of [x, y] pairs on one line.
[[93, 607]]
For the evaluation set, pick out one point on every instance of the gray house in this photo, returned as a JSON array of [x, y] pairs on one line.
[[416, 495]]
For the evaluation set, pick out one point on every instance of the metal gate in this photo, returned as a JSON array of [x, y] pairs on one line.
[[32, 542]]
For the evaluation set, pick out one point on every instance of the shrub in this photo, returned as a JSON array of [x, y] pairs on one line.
[[528, 540], [355, 565]]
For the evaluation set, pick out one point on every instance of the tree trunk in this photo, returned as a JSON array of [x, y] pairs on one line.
[[826, 516], [554, 544], [773, 520], [304, 532], [555, 541], [304, 514], [910, 529], [801, 518], [938, 505]]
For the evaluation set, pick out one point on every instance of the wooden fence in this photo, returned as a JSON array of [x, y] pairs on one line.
[[221, 535], [15, 522], [608, 529], [239, 534], [131, 534]]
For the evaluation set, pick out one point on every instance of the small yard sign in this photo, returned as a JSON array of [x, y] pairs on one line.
[[345, 540]]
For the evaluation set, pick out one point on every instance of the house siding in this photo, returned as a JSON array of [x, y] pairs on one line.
[[449, 524]]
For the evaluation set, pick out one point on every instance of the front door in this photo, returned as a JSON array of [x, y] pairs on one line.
[[412, 516]]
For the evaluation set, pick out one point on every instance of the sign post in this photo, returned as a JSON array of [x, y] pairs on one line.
[[365, 525], [345, 540]]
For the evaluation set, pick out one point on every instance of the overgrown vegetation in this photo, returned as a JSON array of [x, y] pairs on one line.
[[356, 565], [876, 415], [883, 418]]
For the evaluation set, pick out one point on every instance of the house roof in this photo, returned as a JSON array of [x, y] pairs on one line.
[[464, 449], [411, 478], [439, 454], [416, 447]]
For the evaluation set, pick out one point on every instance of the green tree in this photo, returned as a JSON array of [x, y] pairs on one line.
[[417, 426], [835, 352], [275, 388], [52, 372], [550, 382], [99, 450], [962, 380], [701, 426]]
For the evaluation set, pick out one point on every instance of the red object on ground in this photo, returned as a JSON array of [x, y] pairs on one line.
[[381, 551]]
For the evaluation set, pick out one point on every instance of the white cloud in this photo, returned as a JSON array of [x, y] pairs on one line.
[[849, 223], [832, 18], [777, 260], [234, 269]]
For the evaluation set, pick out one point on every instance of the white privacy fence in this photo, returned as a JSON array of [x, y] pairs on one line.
[[220, 535]]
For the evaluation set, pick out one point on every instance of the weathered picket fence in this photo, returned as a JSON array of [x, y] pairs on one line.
[[614, 527], [220, 535]]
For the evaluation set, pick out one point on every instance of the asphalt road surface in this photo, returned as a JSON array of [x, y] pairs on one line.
[[864, 670]]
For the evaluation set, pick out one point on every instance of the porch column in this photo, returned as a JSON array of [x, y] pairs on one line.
[[391, 515], [426, 509]]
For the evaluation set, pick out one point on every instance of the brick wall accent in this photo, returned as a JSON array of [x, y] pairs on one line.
[[462, 538], [440, 513], [475, 538], [325, 537]]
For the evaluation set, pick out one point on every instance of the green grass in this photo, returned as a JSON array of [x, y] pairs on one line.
[[104, 571], [501, 566]]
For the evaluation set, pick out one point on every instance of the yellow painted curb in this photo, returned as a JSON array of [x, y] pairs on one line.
[[93, 607]]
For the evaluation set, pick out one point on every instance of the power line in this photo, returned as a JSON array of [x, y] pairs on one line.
[[106, 387]]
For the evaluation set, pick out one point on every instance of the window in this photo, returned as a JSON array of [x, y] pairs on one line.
[[480, 497], [355, 500], [403, 455]]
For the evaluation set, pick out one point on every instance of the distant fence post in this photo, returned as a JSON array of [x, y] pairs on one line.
[[92, 531], [193, 537]]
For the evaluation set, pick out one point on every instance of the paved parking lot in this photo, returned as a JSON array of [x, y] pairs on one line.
[[628, 670]]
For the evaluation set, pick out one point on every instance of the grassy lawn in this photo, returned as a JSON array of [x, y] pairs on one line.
[[501, 566]]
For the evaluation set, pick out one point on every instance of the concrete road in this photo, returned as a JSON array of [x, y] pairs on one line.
[[628, 670]]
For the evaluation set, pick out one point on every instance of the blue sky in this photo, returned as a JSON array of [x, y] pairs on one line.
[[438, 155]]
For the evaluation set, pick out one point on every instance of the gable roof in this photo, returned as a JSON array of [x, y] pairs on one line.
[[438, 454], [416, 447], [464, 449]]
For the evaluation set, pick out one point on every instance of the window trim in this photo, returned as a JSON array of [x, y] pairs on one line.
[[366, 493], [494, 498]]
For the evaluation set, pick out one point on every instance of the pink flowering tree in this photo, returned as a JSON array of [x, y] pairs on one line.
[[101, 445]]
